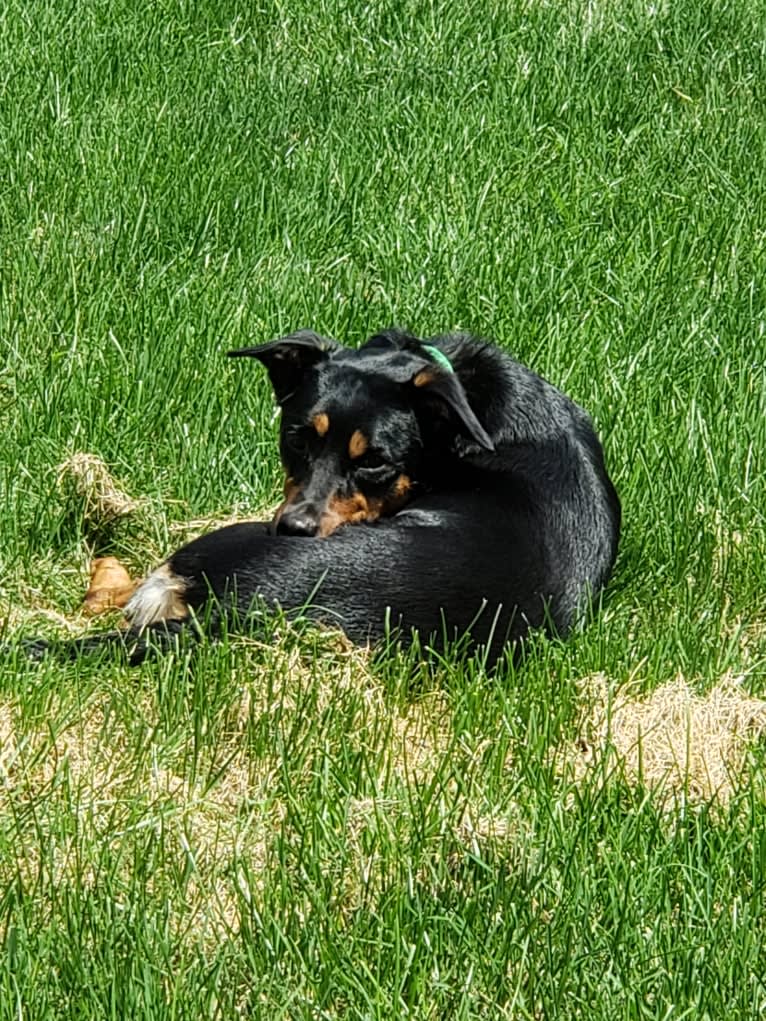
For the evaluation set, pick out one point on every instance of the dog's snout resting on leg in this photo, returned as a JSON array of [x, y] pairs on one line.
[[300, 520]]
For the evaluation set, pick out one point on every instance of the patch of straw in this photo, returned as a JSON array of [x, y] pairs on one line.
[[89, 479], [676, 742], [93, 757]]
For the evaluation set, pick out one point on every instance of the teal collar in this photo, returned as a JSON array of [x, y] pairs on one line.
[[439, 357]]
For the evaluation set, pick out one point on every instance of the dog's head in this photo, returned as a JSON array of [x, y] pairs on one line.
[[358, 424]]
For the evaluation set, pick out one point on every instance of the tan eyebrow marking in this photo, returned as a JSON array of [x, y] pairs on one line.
[[358, 444], [321, 423]]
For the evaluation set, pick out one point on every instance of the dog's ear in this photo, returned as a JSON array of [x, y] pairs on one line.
[[287, 358], [441, 389]]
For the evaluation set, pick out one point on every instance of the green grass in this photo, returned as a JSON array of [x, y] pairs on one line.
[[282, 827]]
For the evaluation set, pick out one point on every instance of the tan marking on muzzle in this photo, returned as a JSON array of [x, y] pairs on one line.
[[353, 510], [399, 494], [347, 510]]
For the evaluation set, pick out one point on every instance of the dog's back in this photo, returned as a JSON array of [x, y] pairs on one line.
[[548, 459]]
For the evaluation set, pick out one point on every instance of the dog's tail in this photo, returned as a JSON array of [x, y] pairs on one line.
[[131, 646]]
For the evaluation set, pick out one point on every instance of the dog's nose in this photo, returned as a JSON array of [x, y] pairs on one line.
[[301, 521]]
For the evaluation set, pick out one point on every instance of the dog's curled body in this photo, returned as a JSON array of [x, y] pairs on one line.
[[433, 486]]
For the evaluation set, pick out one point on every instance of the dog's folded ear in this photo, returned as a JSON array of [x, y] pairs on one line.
[[437, 386], [287, 358]]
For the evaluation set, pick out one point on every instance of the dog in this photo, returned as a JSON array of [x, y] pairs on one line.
[[433, 487]]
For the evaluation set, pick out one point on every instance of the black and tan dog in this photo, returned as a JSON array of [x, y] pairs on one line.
[[478, 493]]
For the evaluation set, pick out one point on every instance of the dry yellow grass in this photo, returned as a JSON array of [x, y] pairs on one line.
[[676, 742], [87, 477], [87, 764], [117, 778]]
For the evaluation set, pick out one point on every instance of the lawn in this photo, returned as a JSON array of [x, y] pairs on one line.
[[280, 825]]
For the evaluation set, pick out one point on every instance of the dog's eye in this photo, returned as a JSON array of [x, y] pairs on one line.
[[372, 460], [373, 466], [298, 440]]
